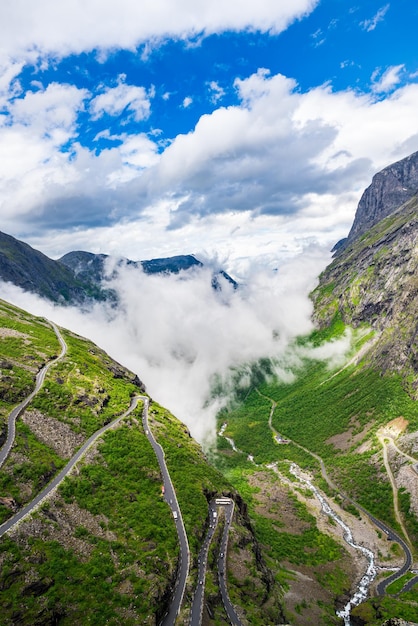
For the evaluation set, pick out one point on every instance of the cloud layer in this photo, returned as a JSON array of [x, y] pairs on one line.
[[73, 27], [278, 152], [177, 333], [84, 165]]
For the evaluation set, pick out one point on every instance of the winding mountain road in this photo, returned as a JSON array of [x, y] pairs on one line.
[[170, 495], [14, 414], [227, 504], [392, 481], [196, 610], [55, 482], [171, 499], [390, 533], [229, 607]]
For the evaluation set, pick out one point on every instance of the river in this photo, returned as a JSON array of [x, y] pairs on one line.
[[362, 590], [363, 586]]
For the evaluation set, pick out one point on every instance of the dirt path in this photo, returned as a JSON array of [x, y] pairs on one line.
[[383, 442], [276, 435]]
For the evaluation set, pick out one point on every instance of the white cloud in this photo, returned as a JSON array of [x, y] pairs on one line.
[[73, 27], [370, 24], [187, 101], [49, 110], [217, 92], [31, 138], [116, 100], [9, 85], [388, 80], [280, 147], [318, 38], [139, 151], [283, 162], [161, 333]]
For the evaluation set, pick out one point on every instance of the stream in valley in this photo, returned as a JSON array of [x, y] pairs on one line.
[[363, 586]]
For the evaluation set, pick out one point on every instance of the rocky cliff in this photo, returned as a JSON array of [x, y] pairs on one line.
[[374, 281], [390, 188]]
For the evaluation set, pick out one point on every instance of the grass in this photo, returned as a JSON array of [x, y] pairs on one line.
[[126, 566], [85, 390], [195, 486], [318, 405]]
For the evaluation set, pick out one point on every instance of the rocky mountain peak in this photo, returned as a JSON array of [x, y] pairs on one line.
[[390, 188]]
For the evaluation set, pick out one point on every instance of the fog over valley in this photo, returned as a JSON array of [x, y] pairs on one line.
[[177, 332]]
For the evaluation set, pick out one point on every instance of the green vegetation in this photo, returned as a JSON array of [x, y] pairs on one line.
[[411, 520], [27, 343], [334, 415], [32, 466], [312, 411], [196, 485], [119, 567], [375, 611], [310, 547], [86, 389]]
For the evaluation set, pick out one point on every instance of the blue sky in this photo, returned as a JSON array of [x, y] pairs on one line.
[[243, 130]]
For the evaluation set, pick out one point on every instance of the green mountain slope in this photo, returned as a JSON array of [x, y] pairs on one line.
[[374, 281], [103, 547], [345, 417], [351, 428]]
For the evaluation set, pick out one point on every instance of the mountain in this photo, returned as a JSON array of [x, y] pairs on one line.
[[315, 447], [92, 267], [33, 271], [374, 281], [103, 546], [77, 277], [89, 266], [390, 189]]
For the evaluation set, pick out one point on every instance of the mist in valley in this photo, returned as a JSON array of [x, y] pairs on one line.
[[180, 335]]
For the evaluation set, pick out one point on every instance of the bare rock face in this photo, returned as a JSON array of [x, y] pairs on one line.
[[389, 189], [374, 280]]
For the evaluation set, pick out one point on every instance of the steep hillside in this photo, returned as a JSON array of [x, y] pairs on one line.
[[103, 547], [389, 189], [33, 271], [374, 281]]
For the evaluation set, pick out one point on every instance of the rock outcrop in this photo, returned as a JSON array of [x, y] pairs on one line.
[[390, 188], [374, 281]]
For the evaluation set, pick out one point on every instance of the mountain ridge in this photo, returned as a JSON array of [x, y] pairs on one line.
[[79, 277], [374, 281], [390, 188]]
